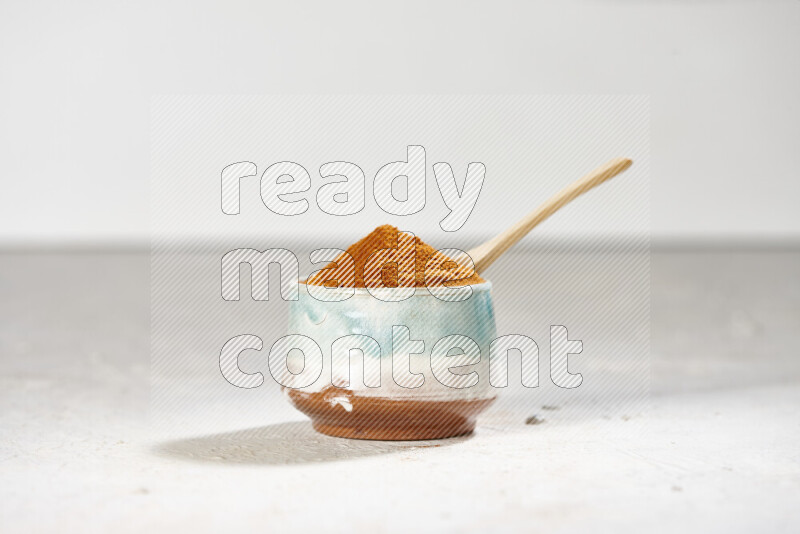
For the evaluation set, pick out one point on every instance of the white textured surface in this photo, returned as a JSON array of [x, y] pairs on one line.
[[716, 451]]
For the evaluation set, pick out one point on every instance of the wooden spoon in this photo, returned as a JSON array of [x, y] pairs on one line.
[[484, 255]]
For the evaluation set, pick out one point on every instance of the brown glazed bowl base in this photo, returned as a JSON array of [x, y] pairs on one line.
[[386, 419]]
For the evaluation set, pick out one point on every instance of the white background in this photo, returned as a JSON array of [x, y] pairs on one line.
[[76, 80], [548, 139]]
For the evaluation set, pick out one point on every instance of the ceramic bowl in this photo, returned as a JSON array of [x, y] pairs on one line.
[[385, 391]]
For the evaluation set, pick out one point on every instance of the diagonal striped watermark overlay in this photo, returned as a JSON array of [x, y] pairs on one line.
[[564, 324]]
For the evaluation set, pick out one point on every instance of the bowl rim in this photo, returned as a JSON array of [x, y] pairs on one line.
[[418, 291]]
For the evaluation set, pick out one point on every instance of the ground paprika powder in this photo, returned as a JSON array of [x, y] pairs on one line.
[[443, 272]]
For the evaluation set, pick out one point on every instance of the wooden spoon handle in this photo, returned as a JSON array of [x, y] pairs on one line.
[[484, 255]]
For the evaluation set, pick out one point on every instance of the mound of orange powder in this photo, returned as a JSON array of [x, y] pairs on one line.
[[442, 272]]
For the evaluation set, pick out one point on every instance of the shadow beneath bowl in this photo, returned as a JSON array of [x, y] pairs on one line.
[[284, 444]]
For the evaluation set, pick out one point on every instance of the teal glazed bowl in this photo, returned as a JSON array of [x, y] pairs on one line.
[[413, 369]]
